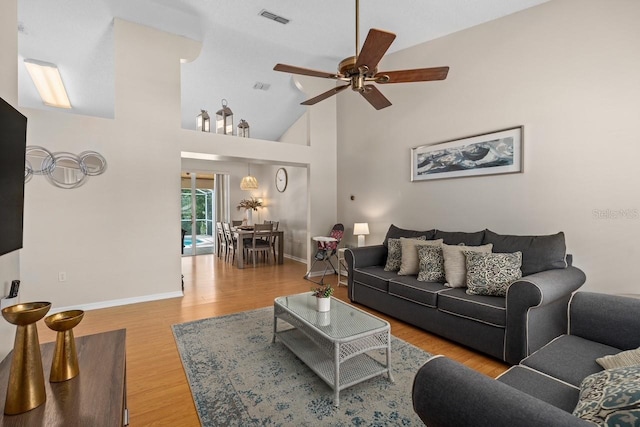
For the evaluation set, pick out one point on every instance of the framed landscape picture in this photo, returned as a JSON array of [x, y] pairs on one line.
[[487, 154]]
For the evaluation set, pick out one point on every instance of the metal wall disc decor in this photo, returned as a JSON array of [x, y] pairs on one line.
[[63, 169]]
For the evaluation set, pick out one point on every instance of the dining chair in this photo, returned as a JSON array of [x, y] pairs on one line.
[[274, 237], [261, 241], [236, 223], [232, 243], [222, 240]]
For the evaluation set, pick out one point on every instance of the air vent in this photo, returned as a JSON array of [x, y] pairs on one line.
[[273, 16], [261, 86]]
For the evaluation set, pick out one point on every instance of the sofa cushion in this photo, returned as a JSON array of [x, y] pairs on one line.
[[408, 287], [394, 254], [620, 360], [569, 358], [539, 253], [455, 265], [491, 274], [396, 232], [546, 388], [374, 277], [485, 309], [460, 237], [430, 264], [409, 265], [611, 397]]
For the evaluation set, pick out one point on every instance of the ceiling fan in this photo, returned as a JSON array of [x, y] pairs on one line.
[[360, 70]]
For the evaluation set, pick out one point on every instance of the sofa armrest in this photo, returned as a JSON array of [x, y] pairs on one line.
[[607, 319], [537, 310], [447, 393], [365, 256]]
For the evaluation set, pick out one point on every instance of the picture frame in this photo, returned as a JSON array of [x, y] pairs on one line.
[[493, 153]]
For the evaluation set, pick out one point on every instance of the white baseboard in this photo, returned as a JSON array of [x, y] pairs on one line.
[[118, 302], [294, 258]]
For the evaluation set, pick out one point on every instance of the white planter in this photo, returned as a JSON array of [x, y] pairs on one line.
[[249, 216], [323, 304], [323, 318]]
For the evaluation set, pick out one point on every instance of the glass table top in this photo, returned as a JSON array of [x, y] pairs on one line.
[[341, 321]]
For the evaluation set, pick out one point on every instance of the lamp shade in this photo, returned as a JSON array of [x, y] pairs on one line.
[[360, 229], [249, 183]]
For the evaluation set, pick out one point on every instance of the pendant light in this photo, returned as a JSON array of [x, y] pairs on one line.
[[249, 182]]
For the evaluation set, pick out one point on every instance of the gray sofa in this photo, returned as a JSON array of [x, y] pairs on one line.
[[509, 328], [544, 389]]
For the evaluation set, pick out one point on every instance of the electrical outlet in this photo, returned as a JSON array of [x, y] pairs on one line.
[[62, 276]]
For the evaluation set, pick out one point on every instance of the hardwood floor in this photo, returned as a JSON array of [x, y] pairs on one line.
[[157, 389]]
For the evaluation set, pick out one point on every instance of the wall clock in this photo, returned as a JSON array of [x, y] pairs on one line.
[[281, 179]]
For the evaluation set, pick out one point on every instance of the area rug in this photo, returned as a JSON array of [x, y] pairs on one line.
[[238, 377]]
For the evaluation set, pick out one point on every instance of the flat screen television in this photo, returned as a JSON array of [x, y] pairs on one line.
[[13, 143]]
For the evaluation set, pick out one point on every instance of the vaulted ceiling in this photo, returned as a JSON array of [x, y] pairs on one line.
[[240, 47]]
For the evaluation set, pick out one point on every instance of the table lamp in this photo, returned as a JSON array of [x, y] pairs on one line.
[[360, 229]]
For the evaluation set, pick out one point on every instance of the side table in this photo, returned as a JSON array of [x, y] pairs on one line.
[[342, 268], [96, 397]]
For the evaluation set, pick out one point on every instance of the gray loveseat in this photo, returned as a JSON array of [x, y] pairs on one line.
[[510, 328], [544, 389]]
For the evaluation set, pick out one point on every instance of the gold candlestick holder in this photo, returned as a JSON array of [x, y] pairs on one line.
[[64, 364], [25, 389]]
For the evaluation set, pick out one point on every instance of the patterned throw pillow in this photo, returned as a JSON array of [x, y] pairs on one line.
[[409, 265], [492, 273], [431, 264], [611, 397], [455, 266], [620, 360], [394, 254]]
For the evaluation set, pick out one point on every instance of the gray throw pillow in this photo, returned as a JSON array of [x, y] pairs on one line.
[[611, 397], [539, 253], [431, 264], [491, 274], [394, 254]]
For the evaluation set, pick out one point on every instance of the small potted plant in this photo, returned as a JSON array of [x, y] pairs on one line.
[[323, 297]]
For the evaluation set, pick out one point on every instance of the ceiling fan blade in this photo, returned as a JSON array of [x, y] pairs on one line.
[[375, 97], [417, 75], [375, 46], [304, 71], [325, 95]]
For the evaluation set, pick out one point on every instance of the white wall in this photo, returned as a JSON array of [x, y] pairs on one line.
[[116, 236], [9, 263], [567, 71]]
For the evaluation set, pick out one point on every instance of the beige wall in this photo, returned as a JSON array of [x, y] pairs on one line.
[[116, 236], [568, 71]]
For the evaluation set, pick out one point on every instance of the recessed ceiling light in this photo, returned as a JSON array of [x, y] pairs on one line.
[[273, 16]]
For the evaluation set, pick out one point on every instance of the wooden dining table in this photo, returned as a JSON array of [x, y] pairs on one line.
[[246, 232]]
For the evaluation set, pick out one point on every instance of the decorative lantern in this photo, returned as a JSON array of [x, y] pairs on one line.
[[203, 121], [224, 120], [243, 129]]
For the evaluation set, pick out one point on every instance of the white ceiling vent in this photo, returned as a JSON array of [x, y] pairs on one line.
[[261, 86], [273, 16]]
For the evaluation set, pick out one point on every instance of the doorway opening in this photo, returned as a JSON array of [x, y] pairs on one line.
[[197, 213]]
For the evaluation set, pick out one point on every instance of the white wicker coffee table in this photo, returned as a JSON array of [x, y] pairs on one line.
[[333, 344]]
